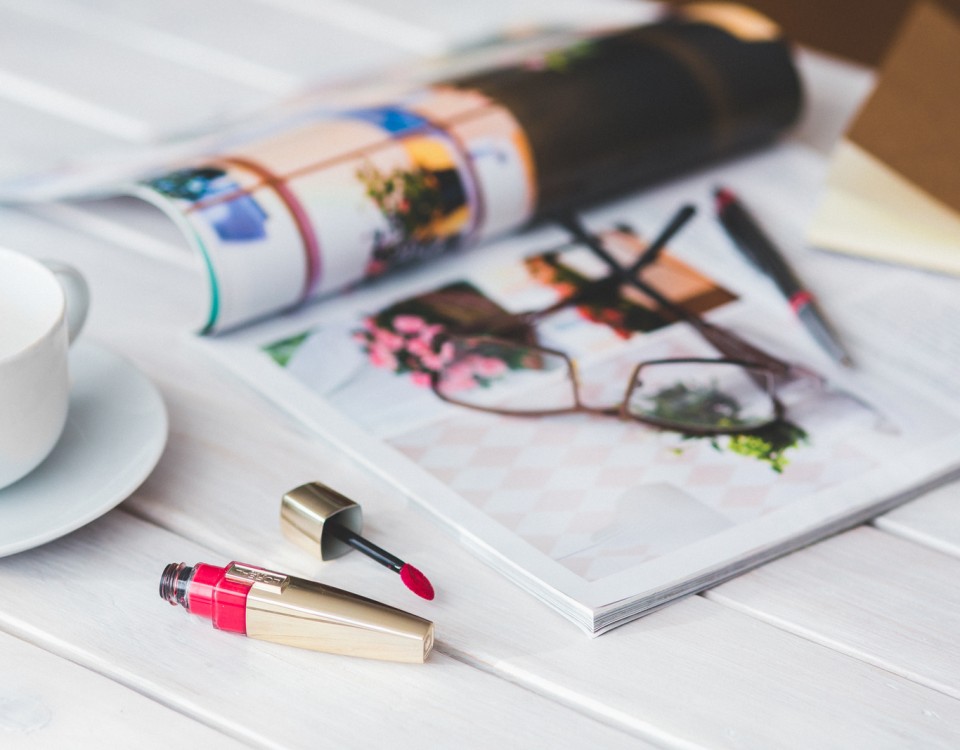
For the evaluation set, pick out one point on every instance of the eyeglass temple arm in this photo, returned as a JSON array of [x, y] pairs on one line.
[[652, 252], [576, 298], [725, 342], [572, 224]]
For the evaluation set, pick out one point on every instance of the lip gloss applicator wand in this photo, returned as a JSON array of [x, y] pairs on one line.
[[327, 524]]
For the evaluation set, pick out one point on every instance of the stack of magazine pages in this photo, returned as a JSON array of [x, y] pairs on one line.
[[562, 399]]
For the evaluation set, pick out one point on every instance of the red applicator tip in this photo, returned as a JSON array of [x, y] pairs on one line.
[[416, 581], [724, 198], [412, 578], [324, 520]]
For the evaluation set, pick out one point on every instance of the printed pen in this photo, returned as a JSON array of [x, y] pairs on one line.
[[760, 251]]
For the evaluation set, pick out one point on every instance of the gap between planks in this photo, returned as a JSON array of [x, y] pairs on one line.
[[63, 650], [779, 594]]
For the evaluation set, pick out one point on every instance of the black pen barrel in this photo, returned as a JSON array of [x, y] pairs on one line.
[[758, 249], [649, 255]]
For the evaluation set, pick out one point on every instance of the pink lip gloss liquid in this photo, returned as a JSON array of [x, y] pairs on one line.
[[206, 591], [270, 606]]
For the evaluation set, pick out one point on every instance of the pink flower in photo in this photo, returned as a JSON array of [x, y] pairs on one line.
[[437, 360], [388, 340], [428, 333], [458, 377], [432, 362], [409, 324], [447, 352], [382, 357], [421, 379], [419, 348], [488, 367]]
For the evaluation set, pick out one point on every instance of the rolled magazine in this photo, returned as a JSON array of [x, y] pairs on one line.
[[328, 199]]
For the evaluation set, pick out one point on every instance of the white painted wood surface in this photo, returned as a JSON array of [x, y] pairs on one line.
[[846, 644], [261, 693], [932, 520], [47, 701], [872, 595]]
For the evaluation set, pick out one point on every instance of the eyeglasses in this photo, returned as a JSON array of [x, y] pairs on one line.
[[501, 371]]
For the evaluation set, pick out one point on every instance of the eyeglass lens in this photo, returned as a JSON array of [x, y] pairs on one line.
[[697, 395], [488, 373]]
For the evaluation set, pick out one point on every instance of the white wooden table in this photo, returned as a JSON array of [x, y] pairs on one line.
[[851, 643]]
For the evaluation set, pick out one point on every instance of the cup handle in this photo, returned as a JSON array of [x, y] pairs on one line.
[[77, 294]]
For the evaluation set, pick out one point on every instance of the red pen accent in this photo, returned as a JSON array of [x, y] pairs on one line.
[[724, 198], [800, 300]]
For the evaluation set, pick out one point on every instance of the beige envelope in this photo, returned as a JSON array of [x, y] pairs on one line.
[[893, 192]]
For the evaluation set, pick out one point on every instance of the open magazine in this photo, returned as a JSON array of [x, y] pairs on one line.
[[609, 426], [606, 519]]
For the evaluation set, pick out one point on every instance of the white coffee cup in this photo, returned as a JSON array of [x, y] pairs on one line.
[[43, 306]]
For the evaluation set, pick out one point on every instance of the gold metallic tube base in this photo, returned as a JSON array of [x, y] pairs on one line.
[[297, 612]]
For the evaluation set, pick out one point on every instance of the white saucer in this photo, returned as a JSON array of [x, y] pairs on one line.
[[116, 430]]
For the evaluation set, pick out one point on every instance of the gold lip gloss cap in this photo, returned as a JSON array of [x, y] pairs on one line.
[[309, 511]]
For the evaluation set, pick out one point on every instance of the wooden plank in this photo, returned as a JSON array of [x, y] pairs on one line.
[[125, 221], [884, 600], [47, 701], [684, 675], [448, 21], [92, 597], [121, 91], [239, 40], [932, 520], [35, 141]]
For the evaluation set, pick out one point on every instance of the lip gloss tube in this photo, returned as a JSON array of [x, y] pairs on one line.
[[270, 606]]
